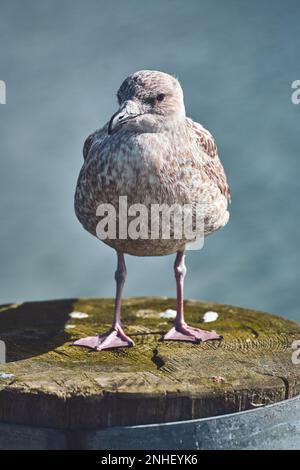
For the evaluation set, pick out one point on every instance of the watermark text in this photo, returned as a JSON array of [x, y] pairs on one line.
[[2, 92], [2, 352], [154, 221], [296, 94], [296, 353]]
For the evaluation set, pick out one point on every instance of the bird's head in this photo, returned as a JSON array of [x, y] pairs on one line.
[[148, 99]]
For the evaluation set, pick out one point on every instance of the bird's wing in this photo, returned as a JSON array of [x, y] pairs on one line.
[[212, 165], [98, 136]]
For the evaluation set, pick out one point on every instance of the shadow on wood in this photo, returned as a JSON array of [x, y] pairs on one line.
[[57, 385], [33, 328]]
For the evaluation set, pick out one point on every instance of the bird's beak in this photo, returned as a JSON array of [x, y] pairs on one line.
[[127, 111]]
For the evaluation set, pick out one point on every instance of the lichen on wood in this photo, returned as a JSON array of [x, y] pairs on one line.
[[58, 385]]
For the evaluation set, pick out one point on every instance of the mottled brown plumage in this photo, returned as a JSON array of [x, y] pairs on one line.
[[159, 156]]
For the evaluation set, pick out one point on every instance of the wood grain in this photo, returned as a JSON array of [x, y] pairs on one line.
[[58, 385]]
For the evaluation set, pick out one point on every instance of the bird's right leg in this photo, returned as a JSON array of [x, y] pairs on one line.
[[115, 337], [181, 331]]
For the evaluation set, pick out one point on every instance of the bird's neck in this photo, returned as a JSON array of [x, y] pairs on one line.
[[162, 123]]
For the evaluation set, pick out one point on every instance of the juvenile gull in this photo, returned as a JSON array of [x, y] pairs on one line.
[[151, 153]]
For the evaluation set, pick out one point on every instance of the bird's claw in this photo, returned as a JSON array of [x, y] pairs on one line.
[[185, 332], [114, 338]]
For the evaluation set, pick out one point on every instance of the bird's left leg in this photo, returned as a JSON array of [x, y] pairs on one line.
[[115, 337], [181, 331]]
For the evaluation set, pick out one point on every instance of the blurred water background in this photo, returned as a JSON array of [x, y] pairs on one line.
[[63, 61]]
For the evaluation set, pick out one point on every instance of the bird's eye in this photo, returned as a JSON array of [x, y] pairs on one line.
[[160, 97], [150, 100]]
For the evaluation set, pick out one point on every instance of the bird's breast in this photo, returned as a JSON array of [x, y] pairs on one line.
[[147, 168]]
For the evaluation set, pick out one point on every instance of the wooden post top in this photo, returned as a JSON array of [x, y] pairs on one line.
[[48, 382]]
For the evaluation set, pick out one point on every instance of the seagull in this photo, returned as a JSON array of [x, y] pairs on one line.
[[150, 153]]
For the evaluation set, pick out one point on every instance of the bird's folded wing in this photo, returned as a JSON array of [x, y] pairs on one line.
[[212, 165], [98, 136]]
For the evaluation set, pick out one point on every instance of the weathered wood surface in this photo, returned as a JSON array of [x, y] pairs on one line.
[[58, 385]]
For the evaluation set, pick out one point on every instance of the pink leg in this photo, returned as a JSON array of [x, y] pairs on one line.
[[115, 337], [181, 331]]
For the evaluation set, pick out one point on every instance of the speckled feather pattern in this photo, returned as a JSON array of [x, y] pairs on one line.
[[163, 164]]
